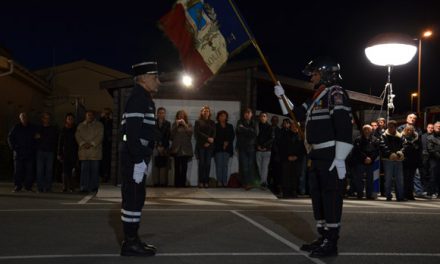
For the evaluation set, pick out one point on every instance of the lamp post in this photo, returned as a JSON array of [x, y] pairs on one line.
[[390, 49], [425, 34], [412, 97]]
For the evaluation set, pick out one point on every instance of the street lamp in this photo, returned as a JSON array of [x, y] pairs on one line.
[[187, 80], [426, 34], [390, 49], [412, 96]]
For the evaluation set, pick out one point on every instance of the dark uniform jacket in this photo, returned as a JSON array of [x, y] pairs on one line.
[[328, 119], [365, 147], [138, 125]]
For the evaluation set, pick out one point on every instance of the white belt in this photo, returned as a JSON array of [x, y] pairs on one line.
[[144, 142], [326, 144]]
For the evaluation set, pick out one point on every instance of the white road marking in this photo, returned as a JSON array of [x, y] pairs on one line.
[[231, 254], [194, 201], [277, 237], [86, 199]]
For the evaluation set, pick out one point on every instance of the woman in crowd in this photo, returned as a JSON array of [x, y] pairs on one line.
[[204, 133], [181, 147], [223, 147]]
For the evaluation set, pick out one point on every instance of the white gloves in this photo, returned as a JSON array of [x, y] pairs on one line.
[[139, 171], [278, 90], [340, 168]]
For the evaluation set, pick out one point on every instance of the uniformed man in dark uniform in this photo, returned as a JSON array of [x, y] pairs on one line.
[[138, 137], [328, 140]]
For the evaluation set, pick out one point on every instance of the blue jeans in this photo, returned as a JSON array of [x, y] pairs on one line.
[[247, 166], [221, 167], [205, 156], [358, 180], [418, 186], [44, 170], [393, 169], [89, 180]]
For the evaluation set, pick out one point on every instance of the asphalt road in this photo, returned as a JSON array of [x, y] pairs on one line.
[[75, 228]]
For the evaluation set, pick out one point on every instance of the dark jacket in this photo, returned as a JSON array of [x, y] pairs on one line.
[[365, 147], [222, 135], [246, 135], [48, 139], [204, 129], [433, 143], [289, 144], [265, 136], [412, 148], [67, 146], [21, 140], [390, 144], [164, 133]]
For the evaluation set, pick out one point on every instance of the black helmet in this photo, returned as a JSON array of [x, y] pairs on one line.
[[327, 68]]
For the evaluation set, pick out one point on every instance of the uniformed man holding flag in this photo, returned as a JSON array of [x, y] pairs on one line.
[[328, 139]]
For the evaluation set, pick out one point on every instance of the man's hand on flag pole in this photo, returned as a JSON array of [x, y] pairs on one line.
[[278, 90]]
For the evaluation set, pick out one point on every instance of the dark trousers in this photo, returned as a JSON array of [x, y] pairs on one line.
[[408, 180], [434, 178], [289, 178], [205, 156], [24, 173], [106, 160], [44, 170], [68, 166], [133, 199], [326, 190], [180, 169], [247, 166]]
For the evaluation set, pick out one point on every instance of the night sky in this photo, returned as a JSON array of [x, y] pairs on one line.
[[41, 34]]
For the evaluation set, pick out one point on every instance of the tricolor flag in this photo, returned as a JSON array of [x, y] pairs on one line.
[[206, 33]]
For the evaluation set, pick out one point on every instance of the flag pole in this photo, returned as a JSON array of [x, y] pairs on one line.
[[266, 64]]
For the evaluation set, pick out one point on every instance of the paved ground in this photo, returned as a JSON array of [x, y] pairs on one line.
[[210, 226]]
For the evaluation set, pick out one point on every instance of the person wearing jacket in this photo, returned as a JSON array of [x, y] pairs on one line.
[[21, 140], [433, 146], [68, 152], [181, 147], [265, 138], [365, 152], [223, 147], [89, 135], [246, 141], [412, 149], [391, 146], [204, 134], [291, 149]]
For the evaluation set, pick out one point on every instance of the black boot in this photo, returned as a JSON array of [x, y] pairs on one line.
[[316, 243], [329, 246], [135, 247]]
